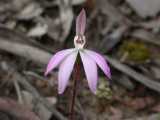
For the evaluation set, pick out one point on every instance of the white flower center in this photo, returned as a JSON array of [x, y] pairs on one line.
[[79, 41]]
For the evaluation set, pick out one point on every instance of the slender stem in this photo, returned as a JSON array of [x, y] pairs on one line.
[[76, 77]]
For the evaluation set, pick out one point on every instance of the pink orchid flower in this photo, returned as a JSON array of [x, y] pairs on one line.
[[65, 59]]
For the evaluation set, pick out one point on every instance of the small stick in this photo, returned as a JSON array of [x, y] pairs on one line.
[[20, 99]]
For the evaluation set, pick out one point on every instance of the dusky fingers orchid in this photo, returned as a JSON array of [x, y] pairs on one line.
[[66, 59]]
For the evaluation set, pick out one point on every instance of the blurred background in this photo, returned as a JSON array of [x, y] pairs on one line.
[[126, 32]]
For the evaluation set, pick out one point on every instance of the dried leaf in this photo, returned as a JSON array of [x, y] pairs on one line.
[[145, 8], [38, 30], [30, 11]]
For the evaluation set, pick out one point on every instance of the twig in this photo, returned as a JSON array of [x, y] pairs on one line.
[[146, 36], [29, 52], [135, 75], [82, 112], [20, 100]]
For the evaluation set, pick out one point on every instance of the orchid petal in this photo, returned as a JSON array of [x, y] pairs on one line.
[[65, 71], [81, 23], [90, 68], [101, 62], [56, 59]]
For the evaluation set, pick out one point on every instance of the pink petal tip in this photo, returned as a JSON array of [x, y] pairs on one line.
[[101, 62], [90, 69]]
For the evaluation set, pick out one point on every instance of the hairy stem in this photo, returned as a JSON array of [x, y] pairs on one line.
[[76, 77]]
